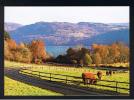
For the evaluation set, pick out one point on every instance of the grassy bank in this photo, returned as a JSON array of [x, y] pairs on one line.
[[16, 88]]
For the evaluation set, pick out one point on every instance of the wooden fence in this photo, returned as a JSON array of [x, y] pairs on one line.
[[78, 80]]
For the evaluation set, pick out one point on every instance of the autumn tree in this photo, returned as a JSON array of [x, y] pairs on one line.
[[96, 59], [7, 53], [15, 52], [124, 52], [37, 48], [116, 52], [22, 45], [24, 52], [11, 44]]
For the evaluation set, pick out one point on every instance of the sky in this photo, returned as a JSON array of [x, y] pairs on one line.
[[101, 14]]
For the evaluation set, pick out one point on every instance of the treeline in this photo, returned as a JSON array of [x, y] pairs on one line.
[[108, 54], [76, 56], [98, 54], [35, 52]]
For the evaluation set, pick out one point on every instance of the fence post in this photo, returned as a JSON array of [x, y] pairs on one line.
[[39, 74], [116, 86], [66, 79], [50, 76]]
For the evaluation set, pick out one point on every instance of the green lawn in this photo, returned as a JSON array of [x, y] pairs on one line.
[[16, 88], [121, 77]]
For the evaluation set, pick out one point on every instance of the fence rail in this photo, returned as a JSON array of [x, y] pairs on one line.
[[52, 76]]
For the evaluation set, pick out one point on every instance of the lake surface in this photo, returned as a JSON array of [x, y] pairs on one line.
[[58, 50]]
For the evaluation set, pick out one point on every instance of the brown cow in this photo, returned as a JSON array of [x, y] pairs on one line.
[[110, 72], [107, 73], [99, 74], [89, 78]]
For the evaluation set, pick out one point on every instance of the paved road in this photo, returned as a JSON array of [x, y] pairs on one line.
[[66, 89]]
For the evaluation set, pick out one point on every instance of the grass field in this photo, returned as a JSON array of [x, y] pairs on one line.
[[16, 88], [121, 77]]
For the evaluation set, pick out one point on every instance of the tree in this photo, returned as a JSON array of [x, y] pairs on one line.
[[6, 35], [114, 53], [85, 50], [70, 51], [81, 62], [115, 50], [11, 44], [21, 45], [124, 52], [49, 57], [76, 56], [96, 59], [26, 55], [7, 52], [101, 51], [95, 48], [21, 54], [62, 59], [74, 61], [37, 48], [87, 59]]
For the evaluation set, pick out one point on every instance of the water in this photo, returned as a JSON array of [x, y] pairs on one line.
[[58, 50]]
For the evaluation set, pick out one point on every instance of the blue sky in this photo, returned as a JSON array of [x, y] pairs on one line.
[[103, 14]]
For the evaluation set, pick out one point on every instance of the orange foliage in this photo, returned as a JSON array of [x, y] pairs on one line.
[[11, 44], [38, 49], [115, 50]]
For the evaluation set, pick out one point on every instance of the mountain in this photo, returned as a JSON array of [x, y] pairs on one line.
[[64, 33], [120, 24], [11, 26], [109, 37]]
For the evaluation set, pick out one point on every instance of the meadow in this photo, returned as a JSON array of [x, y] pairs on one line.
[[16, 88], [64, 70]]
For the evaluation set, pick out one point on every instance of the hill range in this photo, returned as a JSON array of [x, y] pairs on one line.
[[65, 33]]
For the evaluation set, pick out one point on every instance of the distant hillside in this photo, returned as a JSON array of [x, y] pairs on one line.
[[109, 37], [120, 24], [64, 33], [11, 26]]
